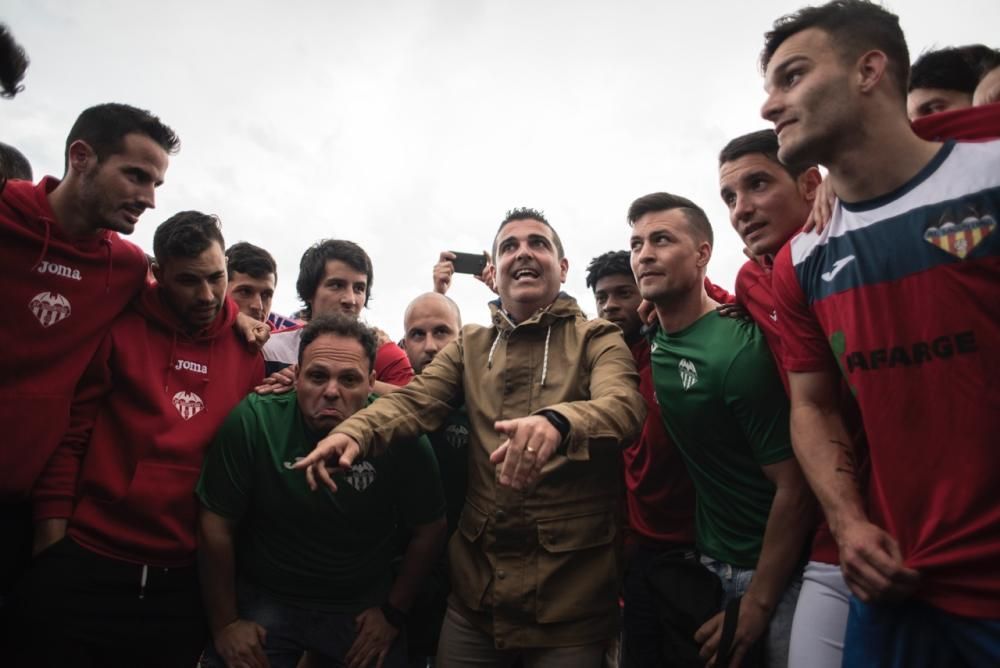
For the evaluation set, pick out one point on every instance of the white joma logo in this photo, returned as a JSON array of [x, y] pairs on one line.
[[184, 365], [59, 270], [837, 266]]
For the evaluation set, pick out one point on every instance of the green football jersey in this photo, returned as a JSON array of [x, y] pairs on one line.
[[723, 403]]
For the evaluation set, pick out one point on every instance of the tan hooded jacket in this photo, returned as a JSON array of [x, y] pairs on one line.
[[537, 567]]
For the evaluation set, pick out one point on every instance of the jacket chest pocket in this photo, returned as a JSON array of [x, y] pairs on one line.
[[577, 568]]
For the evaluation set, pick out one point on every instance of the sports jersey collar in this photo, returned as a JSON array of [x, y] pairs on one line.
[[920, 177]]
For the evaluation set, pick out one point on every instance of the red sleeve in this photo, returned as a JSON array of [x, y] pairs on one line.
[[744, 279], [717, 293], [257, 372], [55, 489], [392, 365], [804, 342], [968, 124]]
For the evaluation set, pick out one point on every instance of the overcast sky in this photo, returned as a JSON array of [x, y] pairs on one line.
[[412, 126]]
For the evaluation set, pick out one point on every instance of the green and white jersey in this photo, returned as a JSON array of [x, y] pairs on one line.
[[723, 403]]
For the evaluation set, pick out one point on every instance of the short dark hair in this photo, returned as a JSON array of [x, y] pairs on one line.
[[312, 267], [526, 213], [340, 325], [104, 127], [611, 263], [251, 260], [988, 62], [952, 68], [13, 64], [764, 142], [186, 235], [13, 164], [696, 218], [855, 27]]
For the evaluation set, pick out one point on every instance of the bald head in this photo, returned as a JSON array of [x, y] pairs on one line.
[[431, 322]]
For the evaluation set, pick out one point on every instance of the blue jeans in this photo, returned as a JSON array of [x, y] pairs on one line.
[[736, 581], [916, 635], [292, 630]]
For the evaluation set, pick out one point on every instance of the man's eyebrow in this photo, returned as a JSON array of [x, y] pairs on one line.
[[788, 62], [759, 174], [782, 66]]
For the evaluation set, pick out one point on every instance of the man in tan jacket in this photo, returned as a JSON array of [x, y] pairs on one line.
[[551, 397]]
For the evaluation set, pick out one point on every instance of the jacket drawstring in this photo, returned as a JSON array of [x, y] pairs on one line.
[[107, 276], [496, 341], [545, 358], [45, 244], [142, 580]]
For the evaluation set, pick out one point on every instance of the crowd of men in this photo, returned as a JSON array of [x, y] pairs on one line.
[[802, 473]]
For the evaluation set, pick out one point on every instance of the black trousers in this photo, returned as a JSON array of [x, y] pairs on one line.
[[87, 610], [15, 557]]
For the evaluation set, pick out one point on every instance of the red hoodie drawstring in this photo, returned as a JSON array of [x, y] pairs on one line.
[[170, 363], [208, 367], [45, 245], [107, 276]]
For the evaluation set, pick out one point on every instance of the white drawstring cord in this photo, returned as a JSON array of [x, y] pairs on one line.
[[489, 360], [545, 360]]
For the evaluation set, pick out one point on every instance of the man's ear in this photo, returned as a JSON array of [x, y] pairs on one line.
[[563, 269], [704, 254], [157, 271], [871, 67], [808, 182], [81, 156], [371, 381]]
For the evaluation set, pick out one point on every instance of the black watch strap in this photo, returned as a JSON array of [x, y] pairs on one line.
[[562, 426]]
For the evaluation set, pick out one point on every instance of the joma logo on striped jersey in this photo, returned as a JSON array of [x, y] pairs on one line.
[[689, 374], [59, 270], [913, 354], [184, 365], [835, 269]]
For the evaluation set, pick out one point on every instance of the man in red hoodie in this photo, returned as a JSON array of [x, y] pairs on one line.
[[66, 274], [66, 266], [114, 582]]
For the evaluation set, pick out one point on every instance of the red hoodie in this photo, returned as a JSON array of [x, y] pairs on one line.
[[143, 417], [61, 297]]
